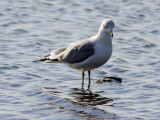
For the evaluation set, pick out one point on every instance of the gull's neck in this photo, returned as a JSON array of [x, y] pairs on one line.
[[104, 37]]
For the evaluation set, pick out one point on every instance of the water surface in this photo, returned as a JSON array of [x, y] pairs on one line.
[[43, 91]]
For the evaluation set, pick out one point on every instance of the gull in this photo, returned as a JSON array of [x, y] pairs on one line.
[[87, 54]]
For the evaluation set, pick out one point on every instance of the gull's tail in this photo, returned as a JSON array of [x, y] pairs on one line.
[[43, 58], [46, 58]]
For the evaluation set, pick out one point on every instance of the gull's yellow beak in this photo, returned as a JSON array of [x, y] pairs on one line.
[[111, 33]]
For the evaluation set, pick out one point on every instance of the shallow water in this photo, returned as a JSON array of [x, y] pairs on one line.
[[42, 91]]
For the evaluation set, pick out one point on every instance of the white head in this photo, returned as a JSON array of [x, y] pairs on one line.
[[106, 27]]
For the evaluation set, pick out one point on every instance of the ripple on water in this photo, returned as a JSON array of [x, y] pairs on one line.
[[20, 31], [32, 28], [9, 67]]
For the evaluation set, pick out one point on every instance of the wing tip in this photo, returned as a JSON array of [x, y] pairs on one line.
[[43, 58]]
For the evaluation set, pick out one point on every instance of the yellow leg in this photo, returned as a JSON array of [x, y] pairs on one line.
[[89, 79], [82, 78]]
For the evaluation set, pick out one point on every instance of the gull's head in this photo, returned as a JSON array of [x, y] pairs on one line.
[[107, 27]]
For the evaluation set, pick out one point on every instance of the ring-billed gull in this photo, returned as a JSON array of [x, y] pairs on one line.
[[87, 54]]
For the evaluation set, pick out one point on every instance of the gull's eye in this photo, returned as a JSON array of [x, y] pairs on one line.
[[106, 26]]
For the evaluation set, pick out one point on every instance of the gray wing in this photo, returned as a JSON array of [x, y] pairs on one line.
[[58, 51], [78, 52]]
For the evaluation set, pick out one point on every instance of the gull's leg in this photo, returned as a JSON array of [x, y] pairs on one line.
[[89, 78], [82, 78]]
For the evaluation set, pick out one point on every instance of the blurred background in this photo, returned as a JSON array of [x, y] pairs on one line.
[[41, 91]]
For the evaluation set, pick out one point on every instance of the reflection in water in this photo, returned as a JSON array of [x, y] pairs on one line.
[[88, 97], [81, 103], [82, 96]]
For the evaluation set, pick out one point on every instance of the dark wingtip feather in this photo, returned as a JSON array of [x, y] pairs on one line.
[[43, 58], [38, 60], [46, 58]]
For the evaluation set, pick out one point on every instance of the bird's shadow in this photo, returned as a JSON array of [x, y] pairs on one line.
[[88, 97]]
